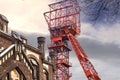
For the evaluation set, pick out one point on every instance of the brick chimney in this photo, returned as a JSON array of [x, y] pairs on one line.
[[41, 45]]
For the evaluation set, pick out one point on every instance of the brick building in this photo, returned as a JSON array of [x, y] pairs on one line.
[[19, 60]]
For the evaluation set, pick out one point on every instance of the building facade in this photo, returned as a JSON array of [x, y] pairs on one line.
[[19, 60]]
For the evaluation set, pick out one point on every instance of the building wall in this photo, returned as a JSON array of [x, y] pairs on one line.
[[31, 53], [42, 67], [4, 42]]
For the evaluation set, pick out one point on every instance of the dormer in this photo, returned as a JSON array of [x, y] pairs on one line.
[[3, 23]]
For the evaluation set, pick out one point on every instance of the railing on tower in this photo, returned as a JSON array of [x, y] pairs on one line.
[[62, 15], [64, 24]]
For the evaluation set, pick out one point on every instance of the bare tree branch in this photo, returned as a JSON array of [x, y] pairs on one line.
[[101, 10]]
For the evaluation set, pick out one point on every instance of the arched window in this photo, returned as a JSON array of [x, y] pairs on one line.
[[36, 68], [7, 76], [46, 74], [15, 75], [1, 26]]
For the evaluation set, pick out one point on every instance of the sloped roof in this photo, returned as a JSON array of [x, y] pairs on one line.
[[4, 18]]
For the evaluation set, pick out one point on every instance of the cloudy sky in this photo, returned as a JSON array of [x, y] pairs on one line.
[[100, 41]]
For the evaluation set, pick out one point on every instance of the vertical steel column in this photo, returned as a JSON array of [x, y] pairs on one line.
[[64, 24]]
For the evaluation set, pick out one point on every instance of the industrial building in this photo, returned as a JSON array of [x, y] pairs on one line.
[[19, 60]]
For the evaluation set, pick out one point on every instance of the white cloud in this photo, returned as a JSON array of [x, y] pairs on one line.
[[106, 71], [26, 15], [104, 33], [76, 70]]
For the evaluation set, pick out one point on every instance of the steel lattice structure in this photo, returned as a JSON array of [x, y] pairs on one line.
[[64, 24]]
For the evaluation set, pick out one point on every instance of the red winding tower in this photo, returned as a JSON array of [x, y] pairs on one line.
[[64, 24]]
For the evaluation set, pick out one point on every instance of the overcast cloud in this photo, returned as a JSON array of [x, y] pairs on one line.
[[100, 42]]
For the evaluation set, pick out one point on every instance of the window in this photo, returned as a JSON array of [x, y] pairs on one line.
[[7, 76], [36, 68], [1, 27], [46, 75], [15, 75]]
